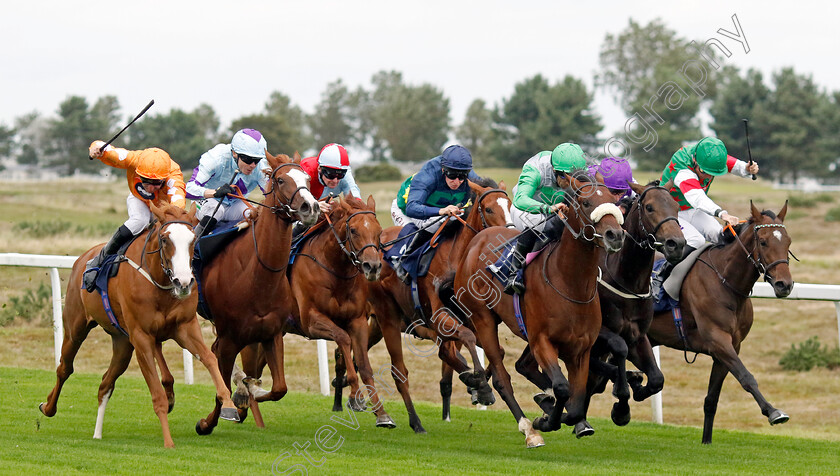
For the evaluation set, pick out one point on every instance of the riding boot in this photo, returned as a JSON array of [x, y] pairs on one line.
[[420, 238], [205, 226], [122, 236], [298, 229], [524, 245], [665, 271]]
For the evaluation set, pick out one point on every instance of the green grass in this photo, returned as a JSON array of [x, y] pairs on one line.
[[475, 442]]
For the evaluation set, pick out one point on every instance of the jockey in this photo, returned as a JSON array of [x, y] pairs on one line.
[[152, 177], [440, 188], [221, 167], [617, 174], [330, 174], [692, 169], [538, 194]]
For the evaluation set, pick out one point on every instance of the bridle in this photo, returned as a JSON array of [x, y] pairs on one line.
[[165, 262], [482, 210], [586, 222], [354, 253], [282, 207], [758, 261], [649, 237]]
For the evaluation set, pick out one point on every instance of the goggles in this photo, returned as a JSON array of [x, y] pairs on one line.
[[453, 174], [332, 174], [248, 160], [155, 182]]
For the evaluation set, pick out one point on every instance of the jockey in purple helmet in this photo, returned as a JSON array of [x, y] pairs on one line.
[[617, 174]]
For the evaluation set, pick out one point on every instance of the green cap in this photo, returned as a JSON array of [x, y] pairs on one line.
[[710, 154], [567, 157]]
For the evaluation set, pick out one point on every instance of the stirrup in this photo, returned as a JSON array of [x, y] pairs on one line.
[[514, 285], [402, 274]]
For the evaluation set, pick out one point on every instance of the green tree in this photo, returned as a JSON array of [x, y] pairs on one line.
[[539, 115], [661, 85], [402, 122], [183, 135], [282, 124], [476, 133], [77, 125], [31, 136], [331, 120], [740, 98], [7, 140]]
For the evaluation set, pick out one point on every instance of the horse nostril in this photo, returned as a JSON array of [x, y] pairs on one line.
[[305, 208]]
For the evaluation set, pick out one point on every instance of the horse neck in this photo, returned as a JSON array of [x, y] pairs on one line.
[[274, 243], [574, 259], [735, 267], [331, 251], [633, 263], [462, 238]]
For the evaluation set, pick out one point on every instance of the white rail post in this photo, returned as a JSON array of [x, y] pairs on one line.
[[58, 322], [323, 370], [480, 352], [656, 400], [188, 367], [837, 307]]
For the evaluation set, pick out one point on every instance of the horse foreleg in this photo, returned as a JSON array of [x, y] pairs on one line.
[[322, 327], [340, 380], [358, 330], [166, 377], [446, 373], [274, 355], [546, 355], [76, 330], [189, 337], [224, 352], [716, 378], [144, 344], [724, 352], [578, 368], [615, 370], [121, 352], [642, 357]]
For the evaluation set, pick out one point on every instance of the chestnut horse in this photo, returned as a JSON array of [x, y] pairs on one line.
[[245, 285], [329, 282], [393, 306], [717, 312], [562, 314], [151, 304]]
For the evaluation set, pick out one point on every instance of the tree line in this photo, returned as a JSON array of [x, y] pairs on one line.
[[653, 72]]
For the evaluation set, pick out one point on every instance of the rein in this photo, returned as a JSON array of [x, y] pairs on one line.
[[163, 259], [649, 238], [554, 246], [353, 255]]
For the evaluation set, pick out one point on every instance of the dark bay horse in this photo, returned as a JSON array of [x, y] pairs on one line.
[[148, 309], [393, 306], [329, 280], [245, 285], [562, 314], [717, 312], [626, 301]]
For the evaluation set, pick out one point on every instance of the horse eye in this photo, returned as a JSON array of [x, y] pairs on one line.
[[763, 242], [280, 181], [490, 211], [586, 203], [649, 208]]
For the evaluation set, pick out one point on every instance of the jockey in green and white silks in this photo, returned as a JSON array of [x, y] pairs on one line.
[[537, 194]]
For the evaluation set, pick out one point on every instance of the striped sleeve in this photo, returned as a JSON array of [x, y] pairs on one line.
[[691, 188], [737, 167]]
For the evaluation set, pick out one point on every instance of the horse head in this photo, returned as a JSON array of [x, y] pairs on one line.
[[175, 246], [492, 204], [657, 223], [359, 234], [771, 248], [593, 208], [288, 190]]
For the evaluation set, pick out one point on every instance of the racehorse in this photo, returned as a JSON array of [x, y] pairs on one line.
[[716, 309], [626, 301], [562, 314], [329, 282], [394, 309], [151, 303], [245, 286]]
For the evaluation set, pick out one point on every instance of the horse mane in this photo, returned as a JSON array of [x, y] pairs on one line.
[[740, 227], [485, 182]]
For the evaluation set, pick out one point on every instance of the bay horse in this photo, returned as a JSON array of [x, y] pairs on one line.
[[151, 303], [562, 314], [245, 286], [329, 279], [394, 310], [716, 309]]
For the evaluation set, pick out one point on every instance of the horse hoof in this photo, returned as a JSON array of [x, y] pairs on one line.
[[385, 422], [229, 414], [254, 388], [339, 382], [419, 430], [203, 430], [545, 402], [41, 407], [337, 407], [778, 417], [356, 405], [620, 413], [534, 441], [540, 423], [241, 400], [583, 428]]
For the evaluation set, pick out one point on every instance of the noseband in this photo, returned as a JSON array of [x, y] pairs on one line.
[[352, 255], [165, 262], [282, 207], [649, 240], [482, 209]]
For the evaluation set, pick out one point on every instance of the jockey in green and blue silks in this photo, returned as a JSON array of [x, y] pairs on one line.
[[537, 195], [439, 188]]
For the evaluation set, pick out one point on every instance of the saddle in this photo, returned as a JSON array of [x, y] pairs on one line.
[[665, 299], [208, 247], [417, 263]]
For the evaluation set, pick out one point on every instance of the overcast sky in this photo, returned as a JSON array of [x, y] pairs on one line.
[[233, 54]]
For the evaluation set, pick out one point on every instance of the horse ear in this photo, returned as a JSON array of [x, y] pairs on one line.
[[599, 178], [191, 214], [503, 186], [668, 185], [296, 157], [273, 160], [782, 212], [371, 203], [755, 212], [157, 212], [637, 188]]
